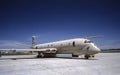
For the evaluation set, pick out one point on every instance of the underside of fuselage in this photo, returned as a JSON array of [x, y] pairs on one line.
[[71, 50]]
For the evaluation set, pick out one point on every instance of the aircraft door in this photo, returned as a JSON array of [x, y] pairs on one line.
[[73, 43]]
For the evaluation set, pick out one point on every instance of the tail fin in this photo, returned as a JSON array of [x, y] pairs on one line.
[[33, 41]]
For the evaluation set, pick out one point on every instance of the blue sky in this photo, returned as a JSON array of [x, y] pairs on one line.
[[53, 20]]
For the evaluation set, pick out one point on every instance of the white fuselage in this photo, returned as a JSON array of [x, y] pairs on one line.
[[76, 46]]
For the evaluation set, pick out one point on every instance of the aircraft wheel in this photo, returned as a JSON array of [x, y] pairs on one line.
[[0, 53], [40, 55], [87, 56], [49, 55], [74, 55], [93, 56]]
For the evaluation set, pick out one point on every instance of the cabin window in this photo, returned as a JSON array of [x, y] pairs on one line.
[[51, 45], [73, 43]]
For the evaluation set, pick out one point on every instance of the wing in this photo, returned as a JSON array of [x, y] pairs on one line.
[[45, 50]]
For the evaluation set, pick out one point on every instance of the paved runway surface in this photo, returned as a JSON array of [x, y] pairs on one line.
[[103, 64]]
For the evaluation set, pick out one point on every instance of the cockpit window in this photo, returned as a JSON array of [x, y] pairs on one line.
[[87, 41]]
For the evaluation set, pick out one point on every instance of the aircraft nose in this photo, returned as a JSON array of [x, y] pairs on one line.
[[95, 50]]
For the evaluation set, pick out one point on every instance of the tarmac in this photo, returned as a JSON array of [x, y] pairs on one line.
[[102, 64]]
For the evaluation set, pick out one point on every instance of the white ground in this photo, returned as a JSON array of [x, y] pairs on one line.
[[102, 64]]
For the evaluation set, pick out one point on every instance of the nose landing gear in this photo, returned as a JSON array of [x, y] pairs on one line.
[[87, 56]]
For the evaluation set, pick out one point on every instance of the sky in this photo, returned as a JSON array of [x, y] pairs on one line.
[[52, 20]]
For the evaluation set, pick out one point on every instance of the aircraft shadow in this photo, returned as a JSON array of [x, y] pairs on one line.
[[76, 58], [73, 58]]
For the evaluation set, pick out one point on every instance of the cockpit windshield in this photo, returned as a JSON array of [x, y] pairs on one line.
[[87, 41]]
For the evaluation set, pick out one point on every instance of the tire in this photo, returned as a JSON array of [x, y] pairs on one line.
[[0, 54], [74, 55], [40, 55], [87, 56], [47, 55]]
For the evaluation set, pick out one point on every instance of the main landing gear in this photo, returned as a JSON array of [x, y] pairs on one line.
[[75, 55], [0, 54], [47, 55]]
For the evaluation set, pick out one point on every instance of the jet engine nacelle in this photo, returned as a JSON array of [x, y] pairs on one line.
[[51, 50]]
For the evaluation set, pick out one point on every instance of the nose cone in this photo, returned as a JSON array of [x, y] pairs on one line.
[[94, 50], [97, 50]]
